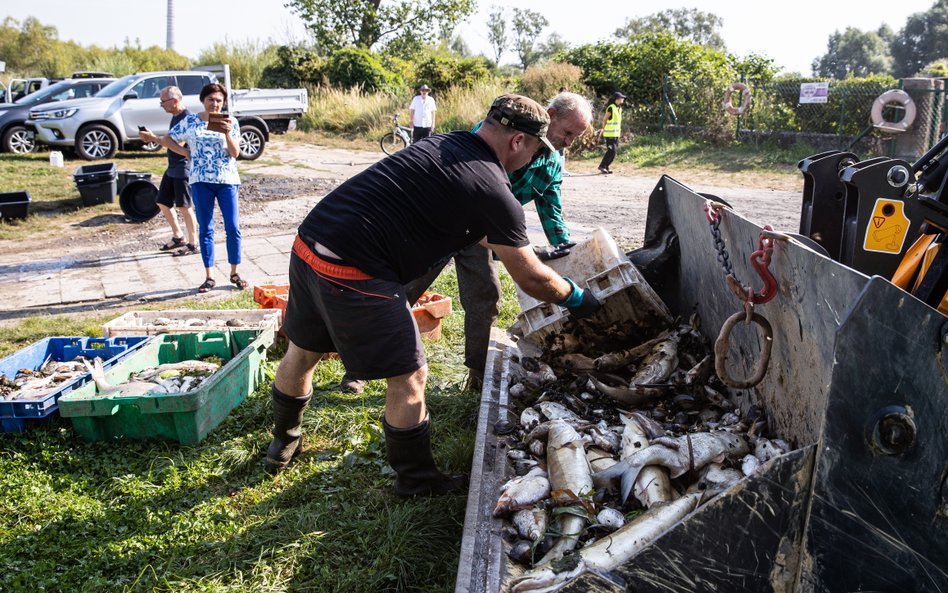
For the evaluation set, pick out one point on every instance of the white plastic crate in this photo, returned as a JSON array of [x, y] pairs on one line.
[[153, 323], [597, 265]]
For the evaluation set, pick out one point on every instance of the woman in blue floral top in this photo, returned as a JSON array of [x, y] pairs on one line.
[[214, 151]]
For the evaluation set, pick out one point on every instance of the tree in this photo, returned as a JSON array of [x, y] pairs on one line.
[[553, 46], [403, 26], [497, 32], [687, 24], [924, 39], [527, 25], [855, 53]]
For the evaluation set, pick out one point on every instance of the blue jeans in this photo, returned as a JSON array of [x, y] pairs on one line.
[[203, 194]]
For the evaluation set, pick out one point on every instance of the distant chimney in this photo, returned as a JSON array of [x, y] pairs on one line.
[[169, 42]]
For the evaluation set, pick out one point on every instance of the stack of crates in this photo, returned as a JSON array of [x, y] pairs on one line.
[[153, 323], [272, 296], [16, 412], [96, 183]]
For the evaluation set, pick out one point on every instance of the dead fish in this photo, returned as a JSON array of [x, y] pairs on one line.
[[766, 449], [168, 370], [679, 455], [601, 436], [701, 372], [569, 472], [716, 477], [614, 549], [516, 391], [611, 519], [577, 362], [557, 411], [599, 459], [623, 358], [541, 376], [632, 396], [530, 523], [537, 448], [750, 465], [523, 492], [530, 418], [103, 387], [653, 485], [659, 364]]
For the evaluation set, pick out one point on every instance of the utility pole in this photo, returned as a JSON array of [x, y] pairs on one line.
[[169, 40]]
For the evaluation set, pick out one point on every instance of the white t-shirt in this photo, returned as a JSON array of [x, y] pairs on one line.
[[424, 111]]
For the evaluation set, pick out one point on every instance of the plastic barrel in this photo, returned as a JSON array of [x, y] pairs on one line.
[[138, 201]]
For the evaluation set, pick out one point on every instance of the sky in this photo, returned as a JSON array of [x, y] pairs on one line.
[[791, 32]]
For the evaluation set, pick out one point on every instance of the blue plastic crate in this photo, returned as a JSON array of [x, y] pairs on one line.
[[14, 412]]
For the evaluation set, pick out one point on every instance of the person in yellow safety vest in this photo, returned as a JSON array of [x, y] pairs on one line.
[[611, 128]]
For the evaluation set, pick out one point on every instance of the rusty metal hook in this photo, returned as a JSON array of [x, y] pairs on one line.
[[713, 210], [722, 344]]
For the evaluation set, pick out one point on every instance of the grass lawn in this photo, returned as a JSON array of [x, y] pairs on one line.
[[137, 516]]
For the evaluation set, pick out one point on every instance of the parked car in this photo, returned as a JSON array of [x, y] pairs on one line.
[[14, 137], [17, 88], [97, 128]]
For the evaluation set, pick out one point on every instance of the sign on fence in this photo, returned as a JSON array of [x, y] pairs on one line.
[[814, 92]]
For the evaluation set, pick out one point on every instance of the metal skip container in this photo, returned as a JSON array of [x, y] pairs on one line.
[[857, 382]]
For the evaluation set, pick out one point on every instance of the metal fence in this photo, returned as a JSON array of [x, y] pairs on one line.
[[777, 115]]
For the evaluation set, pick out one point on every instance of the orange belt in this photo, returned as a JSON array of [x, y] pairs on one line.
[[321, 266]]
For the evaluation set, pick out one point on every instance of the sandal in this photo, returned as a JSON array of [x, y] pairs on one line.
[[237, 281], [174, 243], [208, 284], [189, 249]]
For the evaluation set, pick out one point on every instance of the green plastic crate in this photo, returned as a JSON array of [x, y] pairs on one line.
[[183, 417]]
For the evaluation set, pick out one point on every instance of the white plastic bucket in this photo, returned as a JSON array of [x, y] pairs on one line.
[[56, 158]]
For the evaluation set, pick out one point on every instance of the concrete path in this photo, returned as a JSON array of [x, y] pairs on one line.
[[139, 277]]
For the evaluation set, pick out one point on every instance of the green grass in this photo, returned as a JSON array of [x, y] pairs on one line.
[[137, 516], [53, 194]]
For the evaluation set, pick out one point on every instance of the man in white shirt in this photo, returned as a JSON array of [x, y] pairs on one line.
[[422, 114]]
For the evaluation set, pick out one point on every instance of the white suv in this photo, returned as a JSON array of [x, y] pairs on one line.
[[99, 126]]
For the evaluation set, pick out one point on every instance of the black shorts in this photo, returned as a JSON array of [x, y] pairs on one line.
[[368, 322], [174, 192]]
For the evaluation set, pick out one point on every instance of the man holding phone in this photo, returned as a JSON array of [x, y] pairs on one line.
[[174, 193]]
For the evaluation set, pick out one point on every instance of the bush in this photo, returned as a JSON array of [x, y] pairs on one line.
[[544, 81], [442, 72], [293, 66], [353, 67], [248, 61]]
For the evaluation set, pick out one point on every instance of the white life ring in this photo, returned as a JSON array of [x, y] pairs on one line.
[[745, 98], [893, 96]]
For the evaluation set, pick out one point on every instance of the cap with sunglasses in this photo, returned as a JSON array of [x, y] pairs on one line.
[[424, 87], [522, 114]]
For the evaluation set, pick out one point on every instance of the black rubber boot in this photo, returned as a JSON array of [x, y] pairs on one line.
[[287, 431], [350, 385], [409, 454]]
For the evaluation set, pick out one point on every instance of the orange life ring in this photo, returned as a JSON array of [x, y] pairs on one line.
[[745, 98], [899, 97]]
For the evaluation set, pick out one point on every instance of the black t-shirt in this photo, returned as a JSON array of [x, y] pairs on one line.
[[176, 162], [404, 214]]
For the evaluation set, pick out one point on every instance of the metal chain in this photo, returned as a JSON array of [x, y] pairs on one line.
[[723, 258]]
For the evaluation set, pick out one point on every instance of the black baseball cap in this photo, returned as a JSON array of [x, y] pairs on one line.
[[522, 114]]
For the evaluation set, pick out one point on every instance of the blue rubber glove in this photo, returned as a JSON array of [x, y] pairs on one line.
[[580, 303]]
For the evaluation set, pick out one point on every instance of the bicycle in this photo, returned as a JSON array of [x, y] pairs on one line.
[[397, 139]]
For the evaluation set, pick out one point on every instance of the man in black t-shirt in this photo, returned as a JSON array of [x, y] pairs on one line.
[[377, 231], [174, 193]]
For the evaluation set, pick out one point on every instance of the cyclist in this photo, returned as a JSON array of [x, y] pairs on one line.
[[422, 114]]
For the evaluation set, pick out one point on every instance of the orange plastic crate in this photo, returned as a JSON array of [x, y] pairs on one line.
[[265, 295]]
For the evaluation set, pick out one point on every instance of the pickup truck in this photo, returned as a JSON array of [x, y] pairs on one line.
[[98, 127]]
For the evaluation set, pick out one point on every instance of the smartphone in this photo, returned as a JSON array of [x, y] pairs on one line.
[[142, 128]]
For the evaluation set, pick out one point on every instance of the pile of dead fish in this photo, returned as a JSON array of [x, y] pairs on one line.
[[168, 322], [178, 377], [640, 430], [38, 383]]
